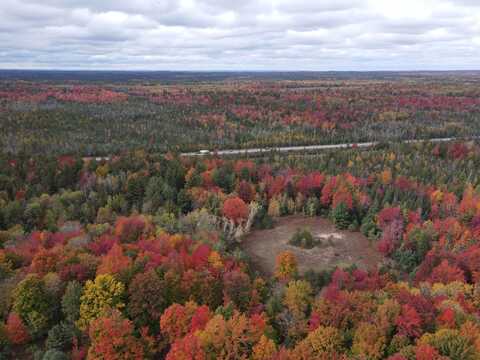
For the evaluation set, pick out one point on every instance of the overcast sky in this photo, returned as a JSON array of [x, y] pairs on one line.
[[240, 34]]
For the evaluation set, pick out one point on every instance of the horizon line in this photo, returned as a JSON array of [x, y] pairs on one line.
[[240, 71]]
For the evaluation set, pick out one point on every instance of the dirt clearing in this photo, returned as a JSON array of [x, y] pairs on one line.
[[337, 248]]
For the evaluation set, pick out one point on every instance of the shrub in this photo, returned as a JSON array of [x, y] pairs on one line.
[[303, 238]]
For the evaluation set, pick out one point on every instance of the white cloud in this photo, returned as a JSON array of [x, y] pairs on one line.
[[249, 34]]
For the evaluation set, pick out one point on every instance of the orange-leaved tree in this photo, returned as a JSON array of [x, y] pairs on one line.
[[235, 209], [286, 266], [112, 338], [16, 330], [114, 262]]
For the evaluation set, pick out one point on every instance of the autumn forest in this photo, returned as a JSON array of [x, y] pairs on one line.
[[115, 244]]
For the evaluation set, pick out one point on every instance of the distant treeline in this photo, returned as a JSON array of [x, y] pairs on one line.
[[196, 76]]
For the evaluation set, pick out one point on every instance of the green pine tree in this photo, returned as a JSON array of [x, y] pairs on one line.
[[341, 216]]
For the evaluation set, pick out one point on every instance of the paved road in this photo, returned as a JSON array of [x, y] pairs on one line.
[[294, 148], [304, 148]]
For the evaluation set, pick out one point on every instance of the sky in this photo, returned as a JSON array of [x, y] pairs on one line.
[[318, 35]]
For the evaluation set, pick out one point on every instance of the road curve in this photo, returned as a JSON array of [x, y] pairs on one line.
[[308, 147]]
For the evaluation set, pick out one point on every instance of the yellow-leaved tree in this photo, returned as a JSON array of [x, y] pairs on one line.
[[265, 349], [103, 294], [369, 342], [325, 342]]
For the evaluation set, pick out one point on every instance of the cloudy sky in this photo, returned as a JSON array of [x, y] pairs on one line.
[[240, 34]]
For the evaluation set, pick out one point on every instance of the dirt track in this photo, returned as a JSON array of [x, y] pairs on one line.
[[338, 248]]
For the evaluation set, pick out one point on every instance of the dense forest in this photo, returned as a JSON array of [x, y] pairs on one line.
[[115, 244], [117, 112], [140, 256]]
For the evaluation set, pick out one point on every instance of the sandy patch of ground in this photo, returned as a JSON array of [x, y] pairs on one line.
[[338, 248]]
